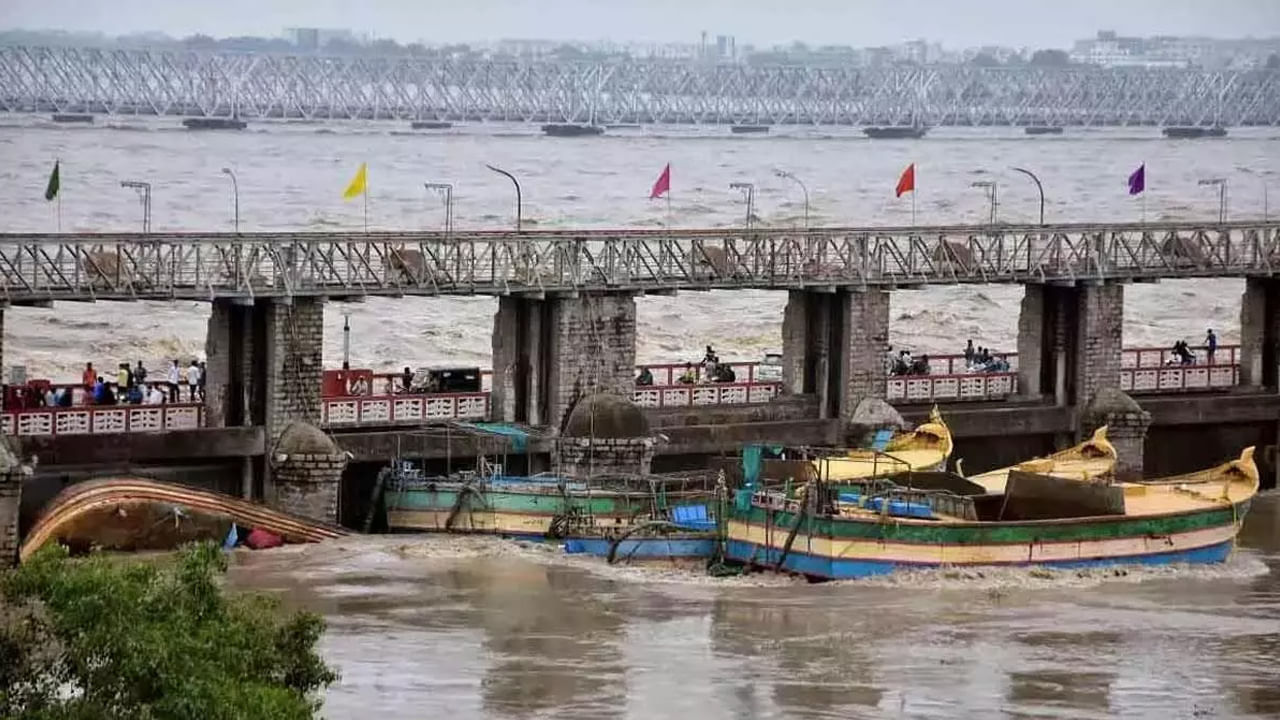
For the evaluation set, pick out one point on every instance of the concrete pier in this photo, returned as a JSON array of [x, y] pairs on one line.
[[548, 353], [1260, 333], [1070, 341], [834, 345]]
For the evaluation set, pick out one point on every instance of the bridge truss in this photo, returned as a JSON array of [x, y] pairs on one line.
[[95, 80], [202, 266]]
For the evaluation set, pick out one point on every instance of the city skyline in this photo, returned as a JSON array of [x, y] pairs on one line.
[[820, 22]]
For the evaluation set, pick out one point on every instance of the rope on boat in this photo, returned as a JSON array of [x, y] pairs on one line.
[[809, 499], [467, 490], [615, 543]]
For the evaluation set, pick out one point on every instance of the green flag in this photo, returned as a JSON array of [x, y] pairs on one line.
[[51, 191]]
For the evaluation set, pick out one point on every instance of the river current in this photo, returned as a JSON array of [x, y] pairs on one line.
[[438, 626], [291, 177]]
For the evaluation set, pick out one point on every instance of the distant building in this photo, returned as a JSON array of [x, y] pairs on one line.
[[317, 38], [1111, 50]]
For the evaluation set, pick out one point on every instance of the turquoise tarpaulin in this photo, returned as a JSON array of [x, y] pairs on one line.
[[519, 437], [753, 460]]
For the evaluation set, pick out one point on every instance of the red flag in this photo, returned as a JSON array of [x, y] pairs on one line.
[[907, 183], [663, 185]]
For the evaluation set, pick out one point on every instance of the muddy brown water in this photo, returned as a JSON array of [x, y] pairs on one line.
[[436, 626]]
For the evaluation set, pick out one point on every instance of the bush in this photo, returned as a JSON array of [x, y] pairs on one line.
[[103, 639]]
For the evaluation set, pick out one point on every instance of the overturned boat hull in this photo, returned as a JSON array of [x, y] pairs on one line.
[[130, 513]]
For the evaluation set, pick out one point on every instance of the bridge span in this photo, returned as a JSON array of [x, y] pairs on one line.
[[208, 84], [207, 266]]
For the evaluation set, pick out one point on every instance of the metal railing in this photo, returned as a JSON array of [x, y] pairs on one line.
[[204, 266], [97, 420]]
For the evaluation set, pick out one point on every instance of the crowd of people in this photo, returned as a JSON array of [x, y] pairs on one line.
[[710, 370], [133, 386], [976, 360]]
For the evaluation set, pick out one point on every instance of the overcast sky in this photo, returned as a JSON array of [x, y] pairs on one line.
[[956, 23]]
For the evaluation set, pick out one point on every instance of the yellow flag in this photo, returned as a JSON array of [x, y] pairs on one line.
[[358, 183]]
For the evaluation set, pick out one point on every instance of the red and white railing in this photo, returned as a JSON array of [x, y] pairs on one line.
[[931, 388], [1179, 378], [711, 394], [404, 409], [97, 420]]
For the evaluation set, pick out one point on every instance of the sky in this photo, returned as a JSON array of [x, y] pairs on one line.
[[860, 23]]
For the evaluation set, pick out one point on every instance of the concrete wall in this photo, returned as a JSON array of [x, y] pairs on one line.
[[1100, 340], [865, 342], [585, 458], [294, 369], [307, 484], [1260, 333]]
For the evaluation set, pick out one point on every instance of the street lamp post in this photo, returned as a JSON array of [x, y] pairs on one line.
[[1039, 187], [235, 196], [989, 187], [805, 190], [748, 192], [515, 182], [1222, 196], [447, 190], [144, 190]]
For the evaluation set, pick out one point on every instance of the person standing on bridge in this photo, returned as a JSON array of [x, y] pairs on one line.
[[175, 377], [1210, 345], [193, 380], [88, 377]]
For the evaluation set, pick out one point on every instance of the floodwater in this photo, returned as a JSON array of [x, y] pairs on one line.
[[430, 626], [291, 177]]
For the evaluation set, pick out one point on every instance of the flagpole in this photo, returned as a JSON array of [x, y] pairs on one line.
[[913, 208]]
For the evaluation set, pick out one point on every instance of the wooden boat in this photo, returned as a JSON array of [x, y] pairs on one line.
[[1063, 512], [129, 513], [627, 517], [72, 118], [748, 129], [430, 125], [1043, 130], [926, 448], [571, 130], [1191, 132]]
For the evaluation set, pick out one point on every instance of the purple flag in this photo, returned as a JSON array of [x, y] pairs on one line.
[[1138, 180]]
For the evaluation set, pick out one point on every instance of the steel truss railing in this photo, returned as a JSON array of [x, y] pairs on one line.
[[115, 81], [36, 268]]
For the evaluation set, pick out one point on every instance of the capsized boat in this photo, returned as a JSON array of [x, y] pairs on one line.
[[1066, 513], [130, 513], [624, 517]]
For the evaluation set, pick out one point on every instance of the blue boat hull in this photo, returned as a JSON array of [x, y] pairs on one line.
[[837, 569], [645, 548]]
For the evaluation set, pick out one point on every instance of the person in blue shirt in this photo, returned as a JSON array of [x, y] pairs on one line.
[[1210, 345], [99, 391]]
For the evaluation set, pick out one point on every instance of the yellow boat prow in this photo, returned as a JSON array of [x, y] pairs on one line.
[[925, 448], [1091, 460]]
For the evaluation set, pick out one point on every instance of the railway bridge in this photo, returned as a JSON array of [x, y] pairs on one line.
[[311, 86]]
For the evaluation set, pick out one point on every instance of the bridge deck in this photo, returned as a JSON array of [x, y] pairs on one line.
[[203, 266]]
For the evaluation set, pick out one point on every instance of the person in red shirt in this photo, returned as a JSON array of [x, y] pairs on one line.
[[89, 377]]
